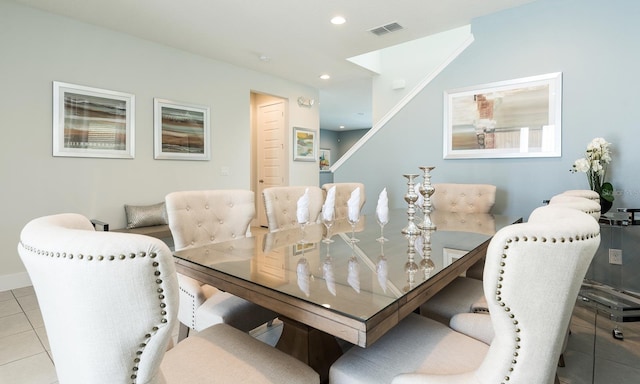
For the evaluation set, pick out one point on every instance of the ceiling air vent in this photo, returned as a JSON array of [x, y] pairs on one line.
[[388, 28]]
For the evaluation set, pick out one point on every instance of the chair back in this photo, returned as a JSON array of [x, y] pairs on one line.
[[464, 198], [109, 300], [532, 275], [281, 204], [586, 193], [203, 217], [343, 194], [586, 205]]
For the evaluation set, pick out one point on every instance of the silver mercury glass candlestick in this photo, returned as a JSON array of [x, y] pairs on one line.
[[411, 197], [426, 190]]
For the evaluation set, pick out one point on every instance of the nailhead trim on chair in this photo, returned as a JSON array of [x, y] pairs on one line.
[[499, 286], [193, 308], [160, 290]]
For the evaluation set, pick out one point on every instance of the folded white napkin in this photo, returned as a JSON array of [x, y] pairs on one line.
[[354, 205], [382, 270], [353, 276], [329, 277], [302, 272], [382, 209], [303, 208], [328, 209]]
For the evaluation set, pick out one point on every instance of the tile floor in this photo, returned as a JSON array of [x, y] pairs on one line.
[[592, 356]]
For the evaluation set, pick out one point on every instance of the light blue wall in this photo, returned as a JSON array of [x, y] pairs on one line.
[[592, 42]]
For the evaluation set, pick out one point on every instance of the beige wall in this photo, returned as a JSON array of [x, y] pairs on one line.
[[38, 48]]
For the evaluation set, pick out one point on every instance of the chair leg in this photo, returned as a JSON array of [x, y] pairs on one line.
[[269, 323], [556, 380], [183, 332], [561, 360]]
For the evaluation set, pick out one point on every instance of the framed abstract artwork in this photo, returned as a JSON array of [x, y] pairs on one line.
[[181, 131], [324, 159], [304, 144], [514, 118], [92, 122]]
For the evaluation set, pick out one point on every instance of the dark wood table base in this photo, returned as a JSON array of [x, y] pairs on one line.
[[311, 346]]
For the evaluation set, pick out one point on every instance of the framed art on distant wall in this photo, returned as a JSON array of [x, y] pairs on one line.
[[92, 122], [514, 118], [304, 144], [181, 131], [324, 159]]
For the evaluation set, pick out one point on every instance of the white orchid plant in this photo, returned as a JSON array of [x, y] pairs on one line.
[[594, 164]]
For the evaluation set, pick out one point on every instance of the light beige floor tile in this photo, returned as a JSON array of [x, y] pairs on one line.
[[9, 307], [13, 324], [6, 295], [42, 335], [25, 291], [19, 346], [578, 368], [28, 302], [37, 369], [35, 318], [608, 372]]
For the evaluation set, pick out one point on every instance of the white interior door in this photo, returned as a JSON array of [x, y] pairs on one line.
[[271, 167]]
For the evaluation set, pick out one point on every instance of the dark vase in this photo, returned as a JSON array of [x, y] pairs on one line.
[[605, 206]]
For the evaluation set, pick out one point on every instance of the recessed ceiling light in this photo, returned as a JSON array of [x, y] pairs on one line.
[[342, 127], [264, 58], [325, 77], [338, 20]]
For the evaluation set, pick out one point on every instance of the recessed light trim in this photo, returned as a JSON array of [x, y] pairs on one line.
[[325, 76], [338, 20]]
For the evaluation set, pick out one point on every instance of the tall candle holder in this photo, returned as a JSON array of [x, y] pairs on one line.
[[411, 197], [426, 264], [410, 267], [426, 190]]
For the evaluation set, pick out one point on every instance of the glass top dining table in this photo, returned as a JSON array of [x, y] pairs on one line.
[[355, 291]]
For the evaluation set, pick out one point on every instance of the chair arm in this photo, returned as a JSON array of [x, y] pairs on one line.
[[476, 325], [191, 297]]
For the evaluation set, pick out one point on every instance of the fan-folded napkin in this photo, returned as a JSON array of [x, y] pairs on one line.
[[354, 205], [329, 204], [303, 208], [382, 209]]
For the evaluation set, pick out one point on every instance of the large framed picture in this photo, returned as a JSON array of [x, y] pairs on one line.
[[514, 118], [304, 144], [181, 131], [92, 122]]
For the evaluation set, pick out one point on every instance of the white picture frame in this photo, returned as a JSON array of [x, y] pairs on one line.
[[92, 122], [181, 131], [506, 119]]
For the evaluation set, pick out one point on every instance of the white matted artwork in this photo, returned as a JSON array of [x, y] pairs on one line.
[[304, 144], [506, 119], [324, 159], [92, 122], [181, 131]]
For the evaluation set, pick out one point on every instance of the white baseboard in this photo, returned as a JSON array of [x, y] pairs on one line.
[[14, 281]]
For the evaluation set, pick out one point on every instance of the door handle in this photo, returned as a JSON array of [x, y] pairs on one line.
[[260, 181]]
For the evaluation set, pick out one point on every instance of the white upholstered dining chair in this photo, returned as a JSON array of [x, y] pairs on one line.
[[109, 302], [281, 203], [343, 194], [464, 294], [464, 198], [532, 275], [197, 218]]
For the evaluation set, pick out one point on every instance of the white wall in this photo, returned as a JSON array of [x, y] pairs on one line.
[[38, 48]]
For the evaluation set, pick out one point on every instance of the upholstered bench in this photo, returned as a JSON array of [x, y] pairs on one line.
[[149, 220]]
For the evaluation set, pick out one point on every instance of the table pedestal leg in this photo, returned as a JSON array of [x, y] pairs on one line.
[[313, 347]]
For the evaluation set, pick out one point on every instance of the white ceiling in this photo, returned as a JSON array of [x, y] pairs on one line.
[[295, 35]]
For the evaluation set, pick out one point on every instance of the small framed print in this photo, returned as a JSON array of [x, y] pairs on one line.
[[304, 144], [324, 160], [181, 131], [92, 122]]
